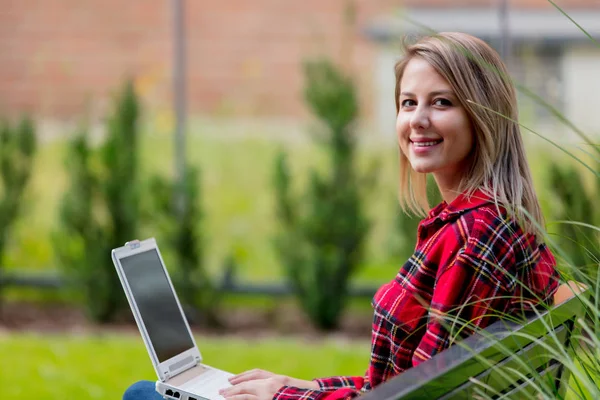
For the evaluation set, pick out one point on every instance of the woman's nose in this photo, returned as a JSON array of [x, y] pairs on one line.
[[420, 118]]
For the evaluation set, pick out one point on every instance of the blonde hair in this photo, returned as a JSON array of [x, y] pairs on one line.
[[482, 84]]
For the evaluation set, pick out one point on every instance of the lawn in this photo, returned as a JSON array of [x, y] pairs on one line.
[[36, 366], [40, 366]]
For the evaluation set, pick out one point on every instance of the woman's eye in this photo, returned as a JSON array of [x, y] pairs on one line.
[[407, 103], [442, 102]]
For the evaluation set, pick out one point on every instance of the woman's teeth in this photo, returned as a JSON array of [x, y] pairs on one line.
[[425, 144]]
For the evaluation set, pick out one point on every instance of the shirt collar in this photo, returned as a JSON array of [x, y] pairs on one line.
[[459, 205]]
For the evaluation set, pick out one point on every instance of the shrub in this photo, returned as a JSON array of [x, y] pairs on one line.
[[323, 234], [404, 238], [100, 209], [17, 150], [579, 244], [181, 227]]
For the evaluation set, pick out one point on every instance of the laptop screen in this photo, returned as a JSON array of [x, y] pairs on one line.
[[157, 304]]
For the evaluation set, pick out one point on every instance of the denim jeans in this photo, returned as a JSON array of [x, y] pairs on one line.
[[142, 390]]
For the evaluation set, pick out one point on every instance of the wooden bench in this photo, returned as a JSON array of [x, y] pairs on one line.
[[492, 356]]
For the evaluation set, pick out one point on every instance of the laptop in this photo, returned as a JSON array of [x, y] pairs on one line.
[[163, 325]]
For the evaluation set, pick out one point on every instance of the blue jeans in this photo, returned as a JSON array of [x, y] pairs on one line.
[[142, 390]]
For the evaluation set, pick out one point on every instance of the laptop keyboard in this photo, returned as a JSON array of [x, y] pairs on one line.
[[208, 384]]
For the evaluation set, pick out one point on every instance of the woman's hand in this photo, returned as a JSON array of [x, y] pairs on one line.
[[258, 384]]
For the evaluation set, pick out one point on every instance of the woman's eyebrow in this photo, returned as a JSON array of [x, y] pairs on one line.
[[434, 93]]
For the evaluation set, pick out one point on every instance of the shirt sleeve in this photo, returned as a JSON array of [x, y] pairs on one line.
[[333, 388], [337, 382]]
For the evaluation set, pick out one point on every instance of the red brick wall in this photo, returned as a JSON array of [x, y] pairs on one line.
[[59, 58]]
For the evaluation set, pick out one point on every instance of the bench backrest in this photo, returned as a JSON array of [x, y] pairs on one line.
[[496, 362]]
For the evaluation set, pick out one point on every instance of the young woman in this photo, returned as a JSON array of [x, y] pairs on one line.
[[479, 254]]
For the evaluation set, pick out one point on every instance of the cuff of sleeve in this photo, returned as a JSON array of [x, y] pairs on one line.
[[338, 382], [290, 392]]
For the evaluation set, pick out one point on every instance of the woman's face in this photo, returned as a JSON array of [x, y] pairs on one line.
[[434, 130]]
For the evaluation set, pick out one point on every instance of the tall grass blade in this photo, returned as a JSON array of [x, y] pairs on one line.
[[596, 173], [592, 156], [575, 23], [557, 114], [592, 227]]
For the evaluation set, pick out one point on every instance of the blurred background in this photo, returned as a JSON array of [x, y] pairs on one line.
[[255, 141]]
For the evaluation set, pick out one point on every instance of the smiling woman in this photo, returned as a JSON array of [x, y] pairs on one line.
[[477, 257]]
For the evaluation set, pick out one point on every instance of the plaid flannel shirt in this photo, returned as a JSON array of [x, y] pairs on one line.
[[471, 263]]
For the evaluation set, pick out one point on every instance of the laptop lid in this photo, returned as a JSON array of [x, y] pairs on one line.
[[156, 308]]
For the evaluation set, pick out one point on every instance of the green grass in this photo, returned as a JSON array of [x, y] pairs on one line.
[[36, 366]]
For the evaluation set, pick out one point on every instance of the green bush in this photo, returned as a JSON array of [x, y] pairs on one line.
[[323, 233], [404, 238], [100, 209], [180, 225], [575, 204], [17, 150]]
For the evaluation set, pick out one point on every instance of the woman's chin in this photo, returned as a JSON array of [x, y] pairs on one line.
[[422, 169]]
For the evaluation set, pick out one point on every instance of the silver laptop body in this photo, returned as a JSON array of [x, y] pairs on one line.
[[163, 326]]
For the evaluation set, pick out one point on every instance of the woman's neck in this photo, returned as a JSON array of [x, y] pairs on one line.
[[449, 186]]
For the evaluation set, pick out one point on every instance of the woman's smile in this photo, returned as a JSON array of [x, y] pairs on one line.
[[425, 146]]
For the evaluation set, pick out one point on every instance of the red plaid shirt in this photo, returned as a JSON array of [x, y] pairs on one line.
[[471, 263]]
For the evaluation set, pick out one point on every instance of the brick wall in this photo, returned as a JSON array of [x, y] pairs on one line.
[[60, 58]]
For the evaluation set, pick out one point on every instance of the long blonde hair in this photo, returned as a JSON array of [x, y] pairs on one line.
[[482, 84]]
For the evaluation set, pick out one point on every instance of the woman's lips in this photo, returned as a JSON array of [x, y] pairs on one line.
[[425, 146]]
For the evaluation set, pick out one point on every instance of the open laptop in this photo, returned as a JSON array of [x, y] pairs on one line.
[[163, 326]]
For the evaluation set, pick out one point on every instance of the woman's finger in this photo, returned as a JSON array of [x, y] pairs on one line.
[[249, 372], [242, 397], [240, 388], [250, 375]]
